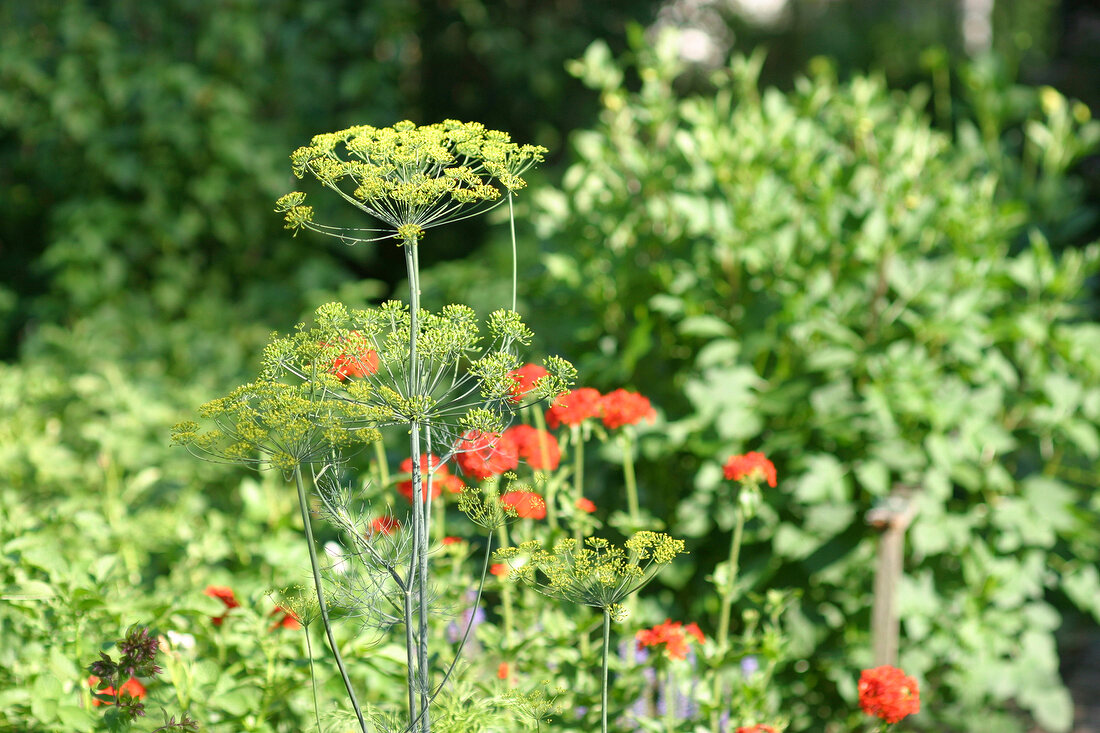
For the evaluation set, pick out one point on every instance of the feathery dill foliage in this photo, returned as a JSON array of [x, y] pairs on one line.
[[410, 177], [597, 574]]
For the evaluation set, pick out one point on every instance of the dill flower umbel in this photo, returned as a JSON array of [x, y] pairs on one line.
[[409, 177]]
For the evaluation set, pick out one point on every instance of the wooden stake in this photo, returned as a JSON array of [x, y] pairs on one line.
[[892, 518]]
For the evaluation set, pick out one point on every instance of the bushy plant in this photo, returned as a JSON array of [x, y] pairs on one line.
[[821, 273]]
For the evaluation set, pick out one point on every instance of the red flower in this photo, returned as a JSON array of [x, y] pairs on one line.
[[573, 408], [482, 455], [672, 635], [525, 378], [527, 504], [384, 525], [453, 540], [533, 444], [289, 619], [888, 693], [758, 728], [405, 488], [499, 569], [131, 687], [620, 408], [502, 671], [358, 361], [225, 595], [752, 466], [585, 505]]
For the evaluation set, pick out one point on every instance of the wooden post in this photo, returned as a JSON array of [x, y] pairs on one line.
[[891, 518]]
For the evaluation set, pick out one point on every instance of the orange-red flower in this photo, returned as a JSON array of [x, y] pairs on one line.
[[502, 671], [131, 687], [585, 505], [620, 408], [225, 595], [753, 466], [525, 378], [535, 446], [288, 620], [527, 504], [359, 360], [384, 525], [758, 728], [672, 635], [482, 455], [573, 408], [453, 540], [499, 569], [441, 473], [888, 693]]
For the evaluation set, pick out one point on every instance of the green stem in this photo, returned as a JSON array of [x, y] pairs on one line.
[[551, 485], [312, 678], [512, 222], [304, 506], [578, 477], [506, 597], [418, 562], [606, 646], [729, 591], [380, 459], [631, 482]]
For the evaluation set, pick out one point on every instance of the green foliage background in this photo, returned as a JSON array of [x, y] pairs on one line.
[[868, 297]]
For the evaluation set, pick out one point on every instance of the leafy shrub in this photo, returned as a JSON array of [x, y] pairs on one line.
[[822, 274]]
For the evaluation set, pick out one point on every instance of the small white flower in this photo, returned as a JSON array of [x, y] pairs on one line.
[[182, 641]]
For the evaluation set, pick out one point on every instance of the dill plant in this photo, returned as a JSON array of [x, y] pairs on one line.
[[326, 389]]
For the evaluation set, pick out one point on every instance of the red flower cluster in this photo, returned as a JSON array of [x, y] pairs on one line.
[[585, 505], [620, 408], [888, 693], [482, 455], [384, 525], [573, 408], [225, 595], [502, 671], [753, 466], [131, 687], [533, 444], [758, 728], [499, 569], [672, 635], [527, 504], [442, 478], [358, 361], [289, 619], [453, 540], [525, 378]]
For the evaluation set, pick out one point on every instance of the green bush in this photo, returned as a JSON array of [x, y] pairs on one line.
[[823, 275]]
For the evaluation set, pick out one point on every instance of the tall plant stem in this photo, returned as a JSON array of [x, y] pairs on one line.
[[606, 647], [418, 563], [303, 504], [380, 457], [551, 486], [630, 480], [506, 596], [729, 592], [578, 476], [515, 276], [312, 678]]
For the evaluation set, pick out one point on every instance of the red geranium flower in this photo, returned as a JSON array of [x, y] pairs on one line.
[[888, 693], [405, 488], [452, 540], [225, 595], [525, 378], [384, 525], [585, 505], [753, 466], [131, 687], [502, 671], [620, 408], [358, 360], [289, 619], [573, 408], [672, 635], [499, 569], [533, 444], [758, 728], [482, 455], [527, 504]]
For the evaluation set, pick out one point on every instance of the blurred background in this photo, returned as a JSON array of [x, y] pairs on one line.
[[142, 147]]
